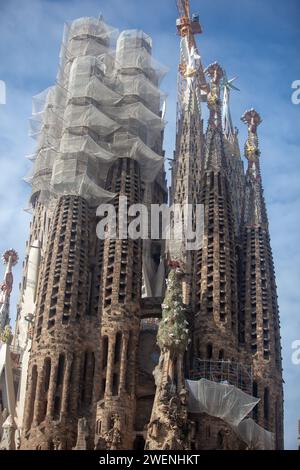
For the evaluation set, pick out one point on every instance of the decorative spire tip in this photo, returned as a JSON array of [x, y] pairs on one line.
[[252, 118], [10, 254]]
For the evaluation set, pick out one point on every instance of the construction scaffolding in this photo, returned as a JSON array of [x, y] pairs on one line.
[[233, 373], [106, 104]]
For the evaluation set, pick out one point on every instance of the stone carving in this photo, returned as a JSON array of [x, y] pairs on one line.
[[169, 427], [6, 335], [57, 445], [18, 439], [8, 435], [113, 437]]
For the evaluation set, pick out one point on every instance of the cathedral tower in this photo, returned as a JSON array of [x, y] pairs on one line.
[[260, 326]]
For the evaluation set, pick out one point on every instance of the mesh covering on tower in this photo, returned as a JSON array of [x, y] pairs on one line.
[[105, 105], [232, 405], [220, 400]]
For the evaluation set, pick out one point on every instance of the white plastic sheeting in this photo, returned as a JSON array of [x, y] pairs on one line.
[[105, 105], [220, 400], [255, 436], [231, 404], [133, 52]]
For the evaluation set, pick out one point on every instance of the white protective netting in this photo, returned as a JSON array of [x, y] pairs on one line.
[[105, 105], [232, 405], [220, 400], [133, 52], [255, 436]]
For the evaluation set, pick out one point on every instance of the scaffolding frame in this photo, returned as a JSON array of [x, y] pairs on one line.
[[233, 373]]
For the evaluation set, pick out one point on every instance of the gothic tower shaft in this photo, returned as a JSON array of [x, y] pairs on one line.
[[260, 317], [120, 319], [62, 360], [192, 89], [216, 313]]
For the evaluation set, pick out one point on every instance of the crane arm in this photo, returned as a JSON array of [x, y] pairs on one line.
[[183, 7]]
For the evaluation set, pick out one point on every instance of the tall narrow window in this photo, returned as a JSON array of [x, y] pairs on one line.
[[60, 370], [58, 386], [104, 351], [47, 366], [266, 404], [209, 351], [118, 347]]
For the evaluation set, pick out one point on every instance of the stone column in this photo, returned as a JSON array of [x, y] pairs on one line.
[[123, 363], [110, 364], [66, 385], [74, 393], [39, 396], [52, 389]]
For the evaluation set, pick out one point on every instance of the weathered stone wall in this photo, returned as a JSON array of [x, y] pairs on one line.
[[64, 348], [120, 322], [261, 329]]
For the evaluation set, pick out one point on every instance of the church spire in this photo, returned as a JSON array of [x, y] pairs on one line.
[[255, 204], [214, 158], [252, 152]]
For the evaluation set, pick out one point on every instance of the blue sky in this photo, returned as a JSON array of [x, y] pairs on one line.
[[259, 41]]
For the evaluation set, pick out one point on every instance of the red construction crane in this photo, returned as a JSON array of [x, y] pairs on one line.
[[187, 26], [190, 66]]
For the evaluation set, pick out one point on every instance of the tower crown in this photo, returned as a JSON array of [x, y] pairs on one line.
[[215, 73], [253, 120]]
